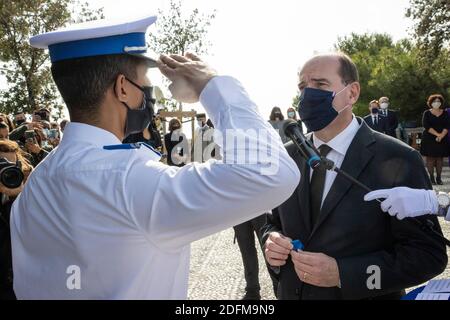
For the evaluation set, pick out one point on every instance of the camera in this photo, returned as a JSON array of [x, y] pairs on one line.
[[11, 175], [30, 135]]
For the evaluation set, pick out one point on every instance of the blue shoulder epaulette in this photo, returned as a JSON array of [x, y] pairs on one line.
[[131, 146]]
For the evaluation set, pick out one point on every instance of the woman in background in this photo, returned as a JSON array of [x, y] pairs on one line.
[[277, 122], [176, 139], [435, 146]]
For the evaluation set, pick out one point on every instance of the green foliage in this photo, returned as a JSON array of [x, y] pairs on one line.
[[178, 33], [27, 70], [296, 101], [395, 70], [432, 27]]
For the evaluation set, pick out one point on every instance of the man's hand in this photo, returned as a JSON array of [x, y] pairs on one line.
[[406, 202], [189, 76], [34, 125], [316, 269], [54, 142], [32, 147], [277, 249]]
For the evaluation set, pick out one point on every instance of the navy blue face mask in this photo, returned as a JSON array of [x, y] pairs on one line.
[[316, 108]]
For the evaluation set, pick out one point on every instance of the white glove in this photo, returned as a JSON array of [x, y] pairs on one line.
[[406, 202]]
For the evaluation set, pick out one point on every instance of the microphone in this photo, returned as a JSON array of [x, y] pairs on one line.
[[294, 131]]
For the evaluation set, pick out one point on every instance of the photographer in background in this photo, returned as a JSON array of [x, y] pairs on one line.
[[33, 146], [14, 170], [18, 133], [54, 137], [63, 124], [4, 131], [42, 114], [19, 118], [45, 136], [6, 120]]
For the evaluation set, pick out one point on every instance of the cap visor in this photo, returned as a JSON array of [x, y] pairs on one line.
[[149, 56]]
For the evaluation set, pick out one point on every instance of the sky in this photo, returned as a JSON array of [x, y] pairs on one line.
[[263, 43]]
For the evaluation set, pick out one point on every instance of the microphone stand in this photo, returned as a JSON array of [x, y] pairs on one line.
[[427, 225]]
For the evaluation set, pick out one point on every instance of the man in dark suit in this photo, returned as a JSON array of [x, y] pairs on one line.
[[352, 249], [390, 116], [374, 120]]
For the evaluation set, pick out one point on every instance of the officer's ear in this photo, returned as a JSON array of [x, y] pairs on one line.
[[121, 88]]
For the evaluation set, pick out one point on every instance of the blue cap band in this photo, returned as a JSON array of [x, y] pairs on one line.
[[131, 146], [134, 42]]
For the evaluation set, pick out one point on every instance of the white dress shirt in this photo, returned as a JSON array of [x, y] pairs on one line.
[[339, 146], [375, 119], [125, 220]]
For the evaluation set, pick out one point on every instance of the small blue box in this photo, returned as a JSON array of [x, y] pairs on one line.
[[298, 245]]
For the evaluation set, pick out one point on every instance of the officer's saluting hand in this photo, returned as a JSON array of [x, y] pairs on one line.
[[189, 76]]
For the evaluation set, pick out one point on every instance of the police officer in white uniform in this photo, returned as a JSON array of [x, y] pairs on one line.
[[101, 220], [403, 202]]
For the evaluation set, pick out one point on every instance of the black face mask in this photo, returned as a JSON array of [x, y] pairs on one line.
[[20, 122], [139, 119]]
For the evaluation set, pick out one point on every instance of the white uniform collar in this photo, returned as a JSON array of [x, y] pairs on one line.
[[342, 141], [81, 132]]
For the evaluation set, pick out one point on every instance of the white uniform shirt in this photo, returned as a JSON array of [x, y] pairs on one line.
[[125, 220], [339, 146]]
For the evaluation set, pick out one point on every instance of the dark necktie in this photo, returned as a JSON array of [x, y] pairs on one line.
[[376, 120], [317, 185]]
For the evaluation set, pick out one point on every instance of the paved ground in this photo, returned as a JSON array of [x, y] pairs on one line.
[[217, 272]]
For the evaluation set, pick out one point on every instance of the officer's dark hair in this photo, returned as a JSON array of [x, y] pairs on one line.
[[348, 69], [84, 82]]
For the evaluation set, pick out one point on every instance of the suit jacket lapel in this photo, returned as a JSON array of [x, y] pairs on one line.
[[356, 159]]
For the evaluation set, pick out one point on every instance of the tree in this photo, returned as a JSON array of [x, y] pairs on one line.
[[177, 34], [27, 70], [395, 70], [296, 101], [432, 28], [367, 42], [365, 51]]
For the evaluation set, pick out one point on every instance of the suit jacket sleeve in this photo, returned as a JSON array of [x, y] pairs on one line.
[[415, 258], [273, 224]]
